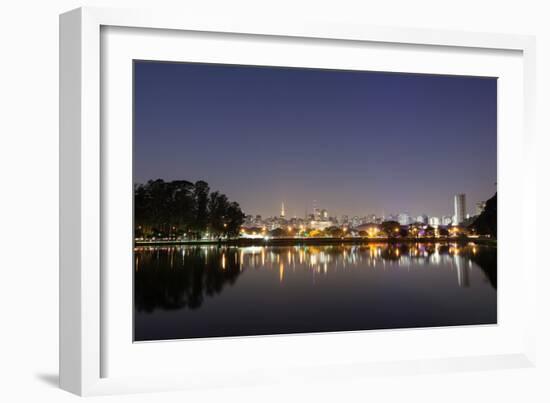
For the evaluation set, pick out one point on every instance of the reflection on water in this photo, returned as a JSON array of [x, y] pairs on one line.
[[208, 291]]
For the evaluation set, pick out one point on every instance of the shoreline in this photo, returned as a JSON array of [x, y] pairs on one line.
[[315, 241]]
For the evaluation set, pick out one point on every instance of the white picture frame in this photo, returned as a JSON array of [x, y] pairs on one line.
[[85, 343]]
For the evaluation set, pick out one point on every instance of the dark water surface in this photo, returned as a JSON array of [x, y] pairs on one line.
[[208, 291]]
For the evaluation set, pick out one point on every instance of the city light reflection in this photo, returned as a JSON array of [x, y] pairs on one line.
[[324, 259]]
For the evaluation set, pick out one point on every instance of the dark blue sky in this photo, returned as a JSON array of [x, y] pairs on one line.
[[356, 142]]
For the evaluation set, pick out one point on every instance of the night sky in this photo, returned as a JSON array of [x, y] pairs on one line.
[[356, 142]]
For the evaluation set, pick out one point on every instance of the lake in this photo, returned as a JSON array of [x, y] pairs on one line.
[[211, 291]]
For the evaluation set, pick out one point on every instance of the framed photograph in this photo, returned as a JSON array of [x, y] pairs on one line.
[[250, 201]]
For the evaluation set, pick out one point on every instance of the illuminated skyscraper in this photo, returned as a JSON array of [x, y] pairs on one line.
[[404, 218], [423, 219], [460, 208], [316, 211], [282, 210]]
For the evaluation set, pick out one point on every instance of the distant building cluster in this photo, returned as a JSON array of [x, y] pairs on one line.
[[320, 219]]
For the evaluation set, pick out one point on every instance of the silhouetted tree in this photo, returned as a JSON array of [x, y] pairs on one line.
[[335, 232], [391, 228], [277, 233], [180, 207], [486, 222], [200, 194], [225, 218], [429, 231], [234, 218], [217, 208]]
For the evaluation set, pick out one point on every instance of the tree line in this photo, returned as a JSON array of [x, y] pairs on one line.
[[182, 208]]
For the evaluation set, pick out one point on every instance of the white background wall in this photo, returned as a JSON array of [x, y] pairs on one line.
[[29, 197]]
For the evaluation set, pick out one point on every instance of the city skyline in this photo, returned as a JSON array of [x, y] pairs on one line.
[[359, 143], [468, 212]]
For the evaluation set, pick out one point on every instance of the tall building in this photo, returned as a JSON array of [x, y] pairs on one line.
[[324, 215], [460, 208], [434, 221], [371, 218], [316, 211], [446, 220], [422, 218], [404, 218], [283, 210]]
